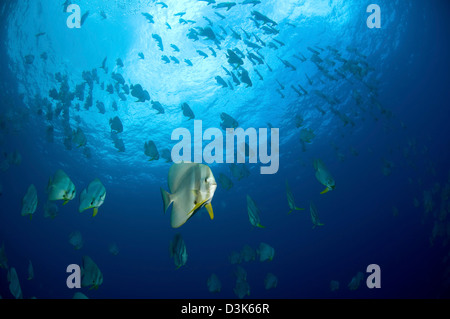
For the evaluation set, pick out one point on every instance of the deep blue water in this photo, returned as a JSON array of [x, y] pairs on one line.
[[403, 120]]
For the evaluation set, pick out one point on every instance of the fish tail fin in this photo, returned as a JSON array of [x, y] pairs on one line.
[[326, 190], [167, 200], [95, 212]]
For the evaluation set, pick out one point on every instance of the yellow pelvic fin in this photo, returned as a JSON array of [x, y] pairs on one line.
[[260, 226], [326, 190], [297, 208], [31, 216], [289, 211], [65, 201], [210, 210], [197, 206], [95, 211]]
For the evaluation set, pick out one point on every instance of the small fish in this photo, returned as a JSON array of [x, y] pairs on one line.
[[258, 39], [163, 5], [235, 79], [209, 1], [288, 64], [254, 2], [313, 51], [269, 30], [227, 5], [221, 81], [314, 215], [253, 212], [296, 91], [281, 85], [259, 74], [246, 34], [92, 197], [281, 93], [151, 151], [260, 17], [245, 78], [219, 15], [252, 45], [84, 17], [208, 20], [177, 250], [290, 199], [279, 42], [157, 106], [272, 45], [324, 176], [165, 58], [148, 16], [235, 34], [175, 48], [158, 41], [187, 111], [203, 54], [174, 59], [213, 53]]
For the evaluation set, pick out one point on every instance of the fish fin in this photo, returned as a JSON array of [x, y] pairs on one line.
[[260, 226], [166, 199], [296, 208], [326, 190], [65, 201], [210, 210], [95, 211], [31, 216], [290, 212]]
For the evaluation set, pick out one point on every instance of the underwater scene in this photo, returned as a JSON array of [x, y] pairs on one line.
[[206, 149]]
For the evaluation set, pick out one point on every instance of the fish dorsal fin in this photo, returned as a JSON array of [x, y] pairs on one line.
[[177, 172]]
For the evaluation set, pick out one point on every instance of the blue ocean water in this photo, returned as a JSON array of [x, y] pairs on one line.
[[375, 99]]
